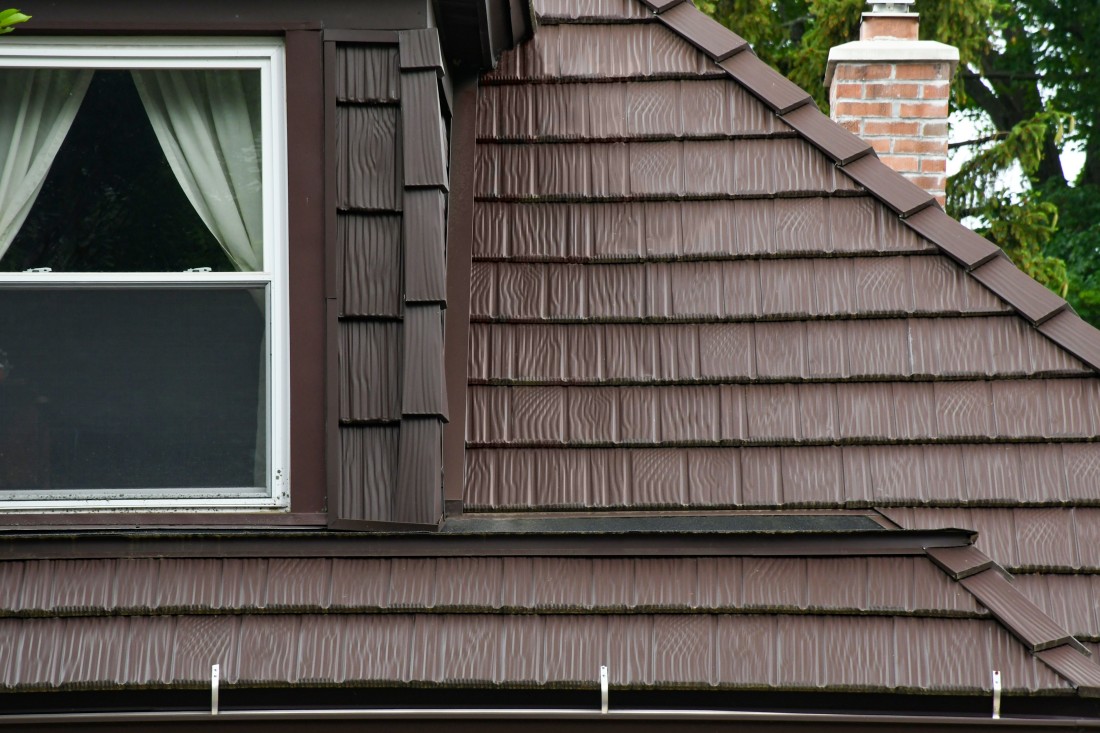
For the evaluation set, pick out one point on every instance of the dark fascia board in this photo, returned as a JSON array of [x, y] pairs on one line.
[[428, 544]]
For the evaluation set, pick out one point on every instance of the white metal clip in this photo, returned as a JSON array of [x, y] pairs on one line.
[[996, 694], [215, 674], [603, 689]]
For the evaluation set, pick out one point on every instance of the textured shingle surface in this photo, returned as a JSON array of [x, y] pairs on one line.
[[391, 289], [691, 292]]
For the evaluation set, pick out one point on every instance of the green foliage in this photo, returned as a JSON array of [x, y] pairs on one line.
[[11, 17], [1031, 70]]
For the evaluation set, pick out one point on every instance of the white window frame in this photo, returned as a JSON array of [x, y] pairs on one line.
[[268, 56]]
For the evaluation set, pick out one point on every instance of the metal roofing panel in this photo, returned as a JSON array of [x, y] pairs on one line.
[[883, 285], [849, 653], [774, 584], [772, 412], [269, 649], [367, 73], [802, 226], [200, 584], [996, 527], [201, 641], [1081, 472], [1022, 617], [833, 285], [1045, 538], [367, 156], [865, 410], [813, 477], [839, 582], [652, 109], [964, 409], [372, 263], [1018, 407], [360, 583], [295, 583], [1073, 406], [713, 477], [370, 372], [878, 348], [682, 649], [1044, 470], [368, 647], [992, 475], [761, 477], [780, 350], [537, 415]]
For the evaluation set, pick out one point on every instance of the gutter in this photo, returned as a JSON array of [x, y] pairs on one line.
[[785, 720]]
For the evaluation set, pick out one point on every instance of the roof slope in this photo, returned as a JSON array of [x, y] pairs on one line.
[[693, 291], [732, 623]]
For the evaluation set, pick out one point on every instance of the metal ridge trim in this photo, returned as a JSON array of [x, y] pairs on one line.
[[220, 544], [1017, 613]]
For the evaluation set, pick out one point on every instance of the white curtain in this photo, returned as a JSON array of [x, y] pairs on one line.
[[37, 107], [208, 124]]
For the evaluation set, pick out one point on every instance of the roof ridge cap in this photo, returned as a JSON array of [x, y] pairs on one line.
[[991, 586]]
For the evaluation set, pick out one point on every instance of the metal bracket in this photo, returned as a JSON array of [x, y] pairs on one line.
[[996, 694], [215, 674], [603, 690]]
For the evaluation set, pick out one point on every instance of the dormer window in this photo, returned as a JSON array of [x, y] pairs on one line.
[[143, 251]]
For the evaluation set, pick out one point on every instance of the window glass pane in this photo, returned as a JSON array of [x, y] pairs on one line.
[[133, 388], [160, 171]]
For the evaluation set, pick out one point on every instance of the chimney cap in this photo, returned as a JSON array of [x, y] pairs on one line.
[[890, 6]]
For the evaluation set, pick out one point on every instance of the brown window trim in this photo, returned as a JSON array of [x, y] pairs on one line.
[[307, 235]]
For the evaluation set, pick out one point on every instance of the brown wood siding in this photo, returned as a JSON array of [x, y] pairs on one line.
[[390, 137]]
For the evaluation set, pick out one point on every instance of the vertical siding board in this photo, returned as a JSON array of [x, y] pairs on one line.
[[425, 246], [368, 462], [367, 73], [372, 271], [422, 382], [425, 155], [419, 492], [367, 165]]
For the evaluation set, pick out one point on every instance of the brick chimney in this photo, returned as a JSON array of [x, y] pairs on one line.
[[891, 89]]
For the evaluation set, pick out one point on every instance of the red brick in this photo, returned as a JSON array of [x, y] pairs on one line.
[[929, 183], [864, 109], [933, 165], [892, 91], [902, 163], [895, 128], [924, 109], [921, 71], [888, 27], [934, 129], [935, 91], [921, 145], [853, 126], [864, 71], [848, 90], [880, 144]]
